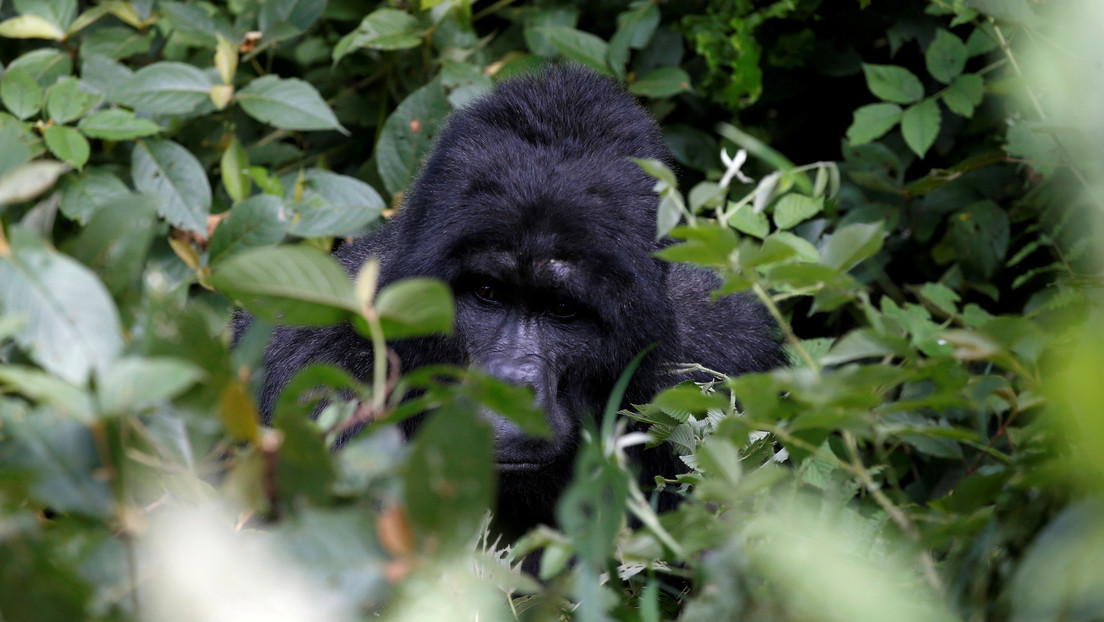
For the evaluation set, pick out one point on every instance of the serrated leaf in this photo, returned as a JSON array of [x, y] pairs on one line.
[[29, 180], [852, 244], [945, 56], [30, 27], [117, 125], [287, 284], [661, 82], [408, 133], [287, 103], [893, 84], [414, 307], [965, 93], [794, 208], [747, 220], [920, 125], [165, 88], [256, 221], [68, 145], [169, 171], [20, 93], [871, 122], [73, 327], [65, 101], [134, 383]]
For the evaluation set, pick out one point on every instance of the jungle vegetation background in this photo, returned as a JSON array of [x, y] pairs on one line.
[[920, 206]]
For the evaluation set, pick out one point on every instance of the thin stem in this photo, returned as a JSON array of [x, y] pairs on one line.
[[768, 302]]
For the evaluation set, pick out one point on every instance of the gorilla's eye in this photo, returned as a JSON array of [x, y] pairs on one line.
[[486, 292], [562, 309]]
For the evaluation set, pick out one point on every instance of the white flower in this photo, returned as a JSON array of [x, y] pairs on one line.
[[732, 167]]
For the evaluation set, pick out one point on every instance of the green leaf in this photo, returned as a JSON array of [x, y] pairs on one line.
[[794, 208], [299, 13], [965, 93], [746, 220], [117, 125], [414, 307], [871, 122], [68, 145], [30, 27], [852, 244], [65, 101], [92, 189], [256, 221], [234, 169], [668, 214], [408, 134], [287, 103], [20, 93], [536, 22], [382, 29], [920, 125], [287, 284], [661, 82], [72, 325], [134, 383], [169, 171], [29, 180], [45, 65], [979, 235], [60, 13], [165, 88], [893, 84], [116, 240], [331, 204], [580, 46], [946, 56], [46, 389], [115, 42]]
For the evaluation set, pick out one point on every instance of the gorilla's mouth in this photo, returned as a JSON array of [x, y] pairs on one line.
[[520, 467]]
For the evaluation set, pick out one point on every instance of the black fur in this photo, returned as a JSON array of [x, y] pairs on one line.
[[530, 199]]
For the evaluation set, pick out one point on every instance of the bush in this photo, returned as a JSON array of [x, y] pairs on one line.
[[933, 452]]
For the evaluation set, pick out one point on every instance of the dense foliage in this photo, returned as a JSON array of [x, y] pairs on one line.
[[912, 188]]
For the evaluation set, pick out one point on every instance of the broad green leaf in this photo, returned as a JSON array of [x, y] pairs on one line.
[[73, 327], [85, 193], [669, 213], [116, 240], [68, 145], [804, 248], [635, 29], [116, 42], [134, 383], [257, 221], [44, 388], [20, 93], [661, 82], [449, 477], [299, 13], [920, 125], [852, 244], [979, 235], [408, 134], [872, 121], [117, 124], [946, 56], [60, 13], [414, 307], [30, 27], [14, 136], [331, 204], [747, 220], [580, 46], [794, 208], [29, 180], [234, 169], [893, 84], [65, 101], [964, 94], [191, 20], [536, 22], [287, 103], [382, 29], [942, 297], [287, 284], [165, 88], [45, 65], [170, 172], [861, 343], [704, 245]]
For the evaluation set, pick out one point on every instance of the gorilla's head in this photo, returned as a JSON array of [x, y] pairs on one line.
[[531, 209]]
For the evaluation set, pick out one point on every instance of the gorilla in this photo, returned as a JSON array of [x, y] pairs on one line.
[[531, 210]]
